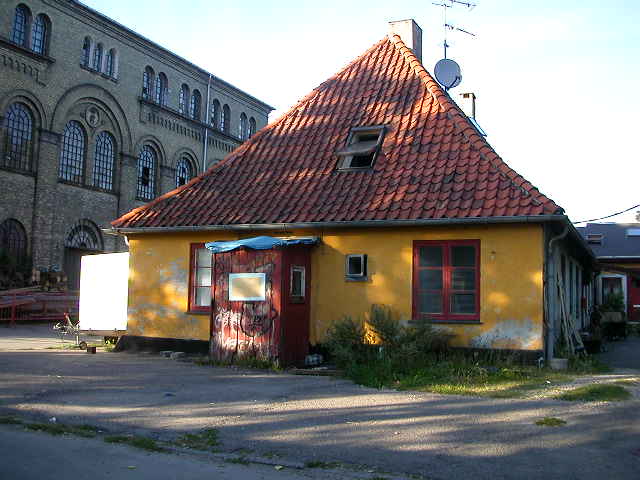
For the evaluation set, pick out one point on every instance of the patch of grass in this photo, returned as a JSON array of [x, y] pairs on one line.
[[628, 381], [271, 455], [205, 440], [595, 393], [551, 422], [456, 374], [238, 460], [7, 420], [416, 357], [66, 346], [144, 443], [321, 464], [108, 347], [86, 431]]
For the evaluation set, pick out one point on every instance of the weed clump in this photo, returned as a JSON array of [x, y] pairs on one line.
[[86, 431], [7, 420], [596, 393], [550, 422], [144, 443], [205, 440]]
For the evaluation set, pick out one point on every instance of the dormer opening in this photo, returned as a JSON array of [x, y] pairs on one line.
[[362, 147]]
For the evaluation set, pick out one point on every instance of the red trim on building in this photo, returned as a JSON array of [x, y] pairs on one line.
[[447, 288]]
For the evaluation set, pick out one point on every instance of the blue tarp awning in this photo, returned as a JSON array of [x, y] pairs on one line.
[[259, 243]]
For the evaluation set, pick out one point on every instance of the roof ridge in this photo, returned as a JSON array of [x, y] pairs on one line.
[[461, 121], [244, 146]]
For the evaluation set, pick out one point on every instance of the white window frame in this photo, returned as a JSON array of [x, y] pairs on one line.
[[303, 277], [362, 275]]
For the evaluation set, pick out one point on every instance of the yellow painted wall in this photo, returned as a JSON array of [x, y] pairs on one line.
[[511, 297]]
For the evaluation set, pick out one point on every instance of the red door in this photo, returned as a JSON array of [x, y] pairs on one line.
[[296, 304], [249, 327], [633, 294]]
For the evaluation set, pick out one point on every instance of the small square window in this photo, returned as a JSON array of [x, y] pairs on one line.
[[362, 147], [356, 267]]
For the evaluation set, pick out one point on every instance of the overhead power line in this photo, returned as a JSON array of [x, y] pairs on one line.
[[608, 216]]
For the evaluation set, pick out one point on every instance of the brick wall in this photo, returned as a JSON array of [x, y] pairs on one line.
[[56, 88]]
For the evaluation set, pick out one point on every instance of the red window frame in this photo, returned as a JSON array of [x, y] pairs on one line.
[[193, 307], [447, 291]]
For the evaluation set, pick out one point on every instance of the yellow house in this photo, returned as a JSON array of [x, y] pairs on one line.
[[408, 204]]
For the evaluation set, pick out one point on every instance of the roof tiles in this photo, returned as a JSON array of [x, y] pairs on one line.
[[433, 163]]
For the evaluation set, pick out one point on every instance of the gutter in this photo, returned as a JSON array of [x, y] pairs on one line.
[[345, 224], [550, 295]]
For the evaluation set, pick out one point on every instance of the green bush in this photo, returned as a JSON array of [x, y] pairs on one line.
[[345, 342], [401, 347]]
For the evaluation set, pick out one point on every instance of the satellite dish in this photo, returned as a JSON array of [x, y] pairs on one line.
[[448, 73]]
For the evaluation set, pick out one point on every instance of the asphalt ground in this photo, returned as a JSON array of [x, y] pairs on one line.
[[301, 418], [36, 456]]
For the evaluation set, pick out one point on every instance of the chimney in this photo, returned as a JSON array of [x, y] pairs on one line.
[[468, 104], [410, 33]]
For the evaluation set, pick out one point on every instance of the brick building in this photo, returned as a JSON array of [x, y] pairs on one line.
[[97, 120]]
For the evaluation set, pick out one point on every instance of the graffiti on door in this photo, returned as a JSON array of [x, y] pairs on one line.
[[246, 328]]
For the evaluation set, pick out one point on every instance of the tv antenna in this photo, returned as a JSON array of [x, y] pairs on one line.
[[447, 71]]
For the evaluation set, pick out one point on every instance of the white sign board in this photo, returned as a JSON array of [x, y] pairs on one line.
[[104, 287], [247, 287]]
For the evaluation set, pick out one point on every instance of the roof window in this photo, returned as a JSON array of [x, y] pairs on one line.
[[594, 238], [633, 232], [362, 147]]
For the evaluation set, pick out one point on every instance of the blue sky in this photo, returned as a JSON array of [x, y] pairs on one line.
[[556, 81]]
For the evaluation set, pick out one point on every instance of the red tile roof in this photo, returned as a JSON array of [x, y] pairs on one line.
[[433, 163]]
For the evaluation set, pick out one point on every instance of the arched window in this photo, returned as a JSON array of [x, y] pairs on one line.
[[86, 51], [104, 160], [195, 107], [146, 173], [243, 127], [39, 34], [183, 100], [110, 63], [20, 25], [71, 167], [184, 171], [252, 127], [215, 114], [97, 58], [162, 85], [85, 235], [13, 239], [147, 83], [225, 123], [17, 142]]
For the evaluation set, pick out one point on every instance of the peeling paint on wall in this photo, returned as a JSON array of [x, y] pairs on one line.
[[511, 287], [510, 334]]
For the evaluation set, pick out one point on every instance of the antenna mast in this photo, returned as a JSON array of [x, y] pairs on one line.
[[447, 26]]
